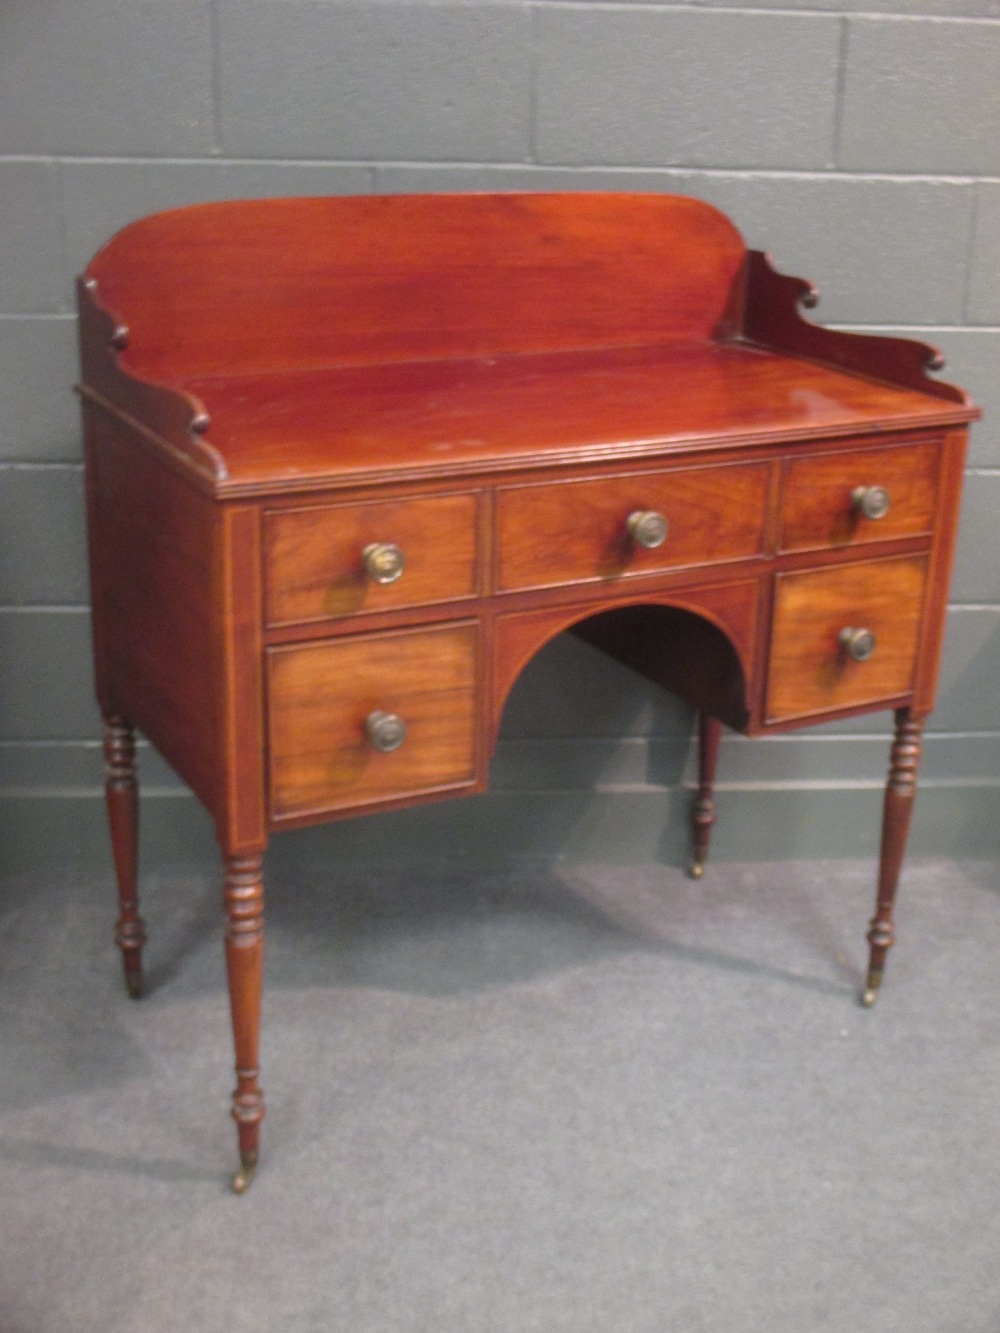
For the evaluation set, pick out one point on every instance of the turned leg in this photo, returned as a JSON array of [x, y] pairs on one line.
[[703, 810], [122, 794], [900, 793], [244, 902]]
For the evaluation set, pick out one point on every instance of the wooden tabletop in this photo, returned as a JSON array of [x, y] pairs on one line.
[[414, 418]]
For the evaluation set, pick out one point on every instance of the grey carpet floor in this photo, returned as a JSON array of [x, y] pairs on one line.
[[597, 1099]]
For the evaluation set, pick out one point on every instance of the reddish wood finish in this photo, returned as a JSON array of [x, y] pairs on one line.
[[285, 284], [773, 320], [941, 560], [243, 897], [703, 809], [900, 794], [171, 416], [575, 532], [439, 419], [493, 383], [809, 671], [155, 539], [315, 557], [237, 662], [320, 695], [696, 642], [818, 510]]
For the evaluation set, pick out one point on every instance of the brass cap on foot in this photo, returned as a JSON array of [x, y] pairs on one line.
[[244, 1176], [871, 990]]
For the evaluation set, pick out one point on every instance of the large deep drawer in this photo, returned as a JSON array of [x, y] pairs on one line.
[[371, 718], [819, 615]]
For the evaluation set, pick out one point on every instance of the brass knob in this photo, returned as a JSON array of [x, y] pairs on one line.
[[648, 528], [871, 501], [386, 731], [384, 562], [858, 644]]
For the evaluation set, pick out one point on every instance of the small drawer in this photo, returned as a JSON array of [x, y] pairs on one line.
[[865, 495], [326, 562], [820, 619], [371, 718], [585, 531]]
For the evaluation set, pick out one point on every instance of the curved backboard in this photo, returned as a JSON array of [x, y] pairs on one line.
[[247, 286]]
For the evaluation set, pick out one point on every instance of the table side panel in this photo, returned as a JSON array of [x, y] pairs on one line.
[[942, 559], [155, 545]]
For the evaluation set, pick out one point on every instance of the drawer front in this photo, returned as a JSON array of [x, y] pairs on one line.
[[819, 508], [578, 531], [321, 695], [315, 558], [811, 669]]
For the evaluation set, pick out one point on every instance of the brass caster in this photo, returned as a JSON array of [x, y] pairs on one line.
[[874, 981], [696, 869], [244, 1176], [133, 984]]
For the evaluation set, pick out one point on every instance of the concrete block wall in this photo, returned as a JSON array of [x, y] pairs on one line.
[[858, 140]]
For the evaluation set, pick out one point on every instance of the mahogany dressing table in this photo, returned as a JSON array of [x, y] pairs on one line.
[[352, 462]]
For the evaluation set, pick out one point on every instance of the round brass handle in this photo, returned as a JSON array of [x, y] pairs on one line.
[[386, 731], [858, 644], [384, 562], [648, 528], [871, 501]]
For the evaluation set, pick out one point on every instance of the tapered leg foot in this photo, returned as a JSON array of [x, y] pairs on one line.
[[122, 794], [871, 989], [900, 794], [243, 1178], [244, 903], [703, 810]]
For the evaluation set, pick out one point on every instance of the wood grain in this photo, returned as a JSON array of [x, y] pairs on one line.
[[155, 605], [459, 418], [314, 557], [380, 334], [493, 383], [817, 508], [243, 900], [381, 278], [577, 532], [773, 319], [320, 694], [809, 671], [897, 812], [696, 641]]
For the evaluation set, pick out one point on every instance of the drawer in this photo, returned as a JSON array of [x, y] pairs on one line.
[[578, 531], [322, 695], [811, 669], [316, 566], [818, 505]]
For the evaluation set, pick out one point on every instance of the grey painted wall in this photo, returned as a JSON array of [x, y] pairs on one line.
[[859, 141]]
